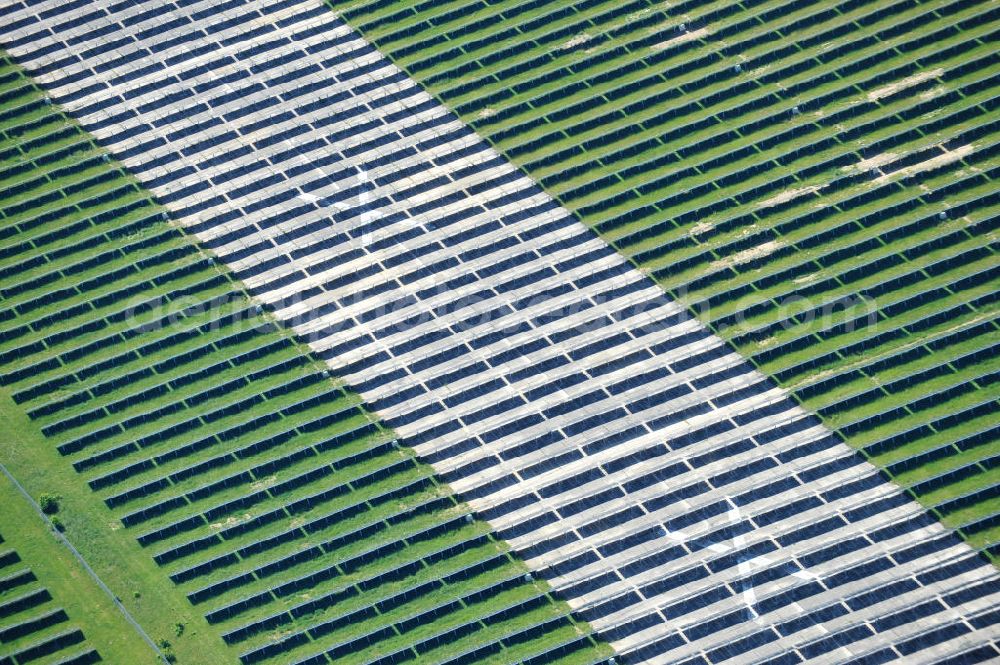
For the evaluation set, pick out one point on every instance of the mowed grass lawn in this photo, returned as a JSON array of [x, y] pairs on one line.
[[72, 588]]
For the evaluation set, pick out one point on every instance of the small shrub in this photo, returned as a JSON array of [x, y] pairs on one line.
[[165, 647], [58, 525], [49, 504]]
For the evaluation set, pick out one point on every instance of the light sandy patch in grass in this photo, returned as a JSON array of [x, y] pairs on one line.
[[932, 93], [750, 254], [580, 39], [232, 521], [700, 227], [948, 157], [786, 196], [909, 81], [871, 163], [263, 482], [680, 39]]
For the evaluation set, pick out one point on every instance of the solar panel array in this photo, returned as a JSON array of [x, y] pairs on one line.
[[679, 501], [268, 494], [817, 181], [33, 628]]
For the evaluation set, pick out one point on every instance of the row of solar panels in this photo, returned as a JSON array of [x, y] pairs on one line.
[[666, 45], [115, 387], [860, 70], [32, 626], [742, 101], [372, 140]]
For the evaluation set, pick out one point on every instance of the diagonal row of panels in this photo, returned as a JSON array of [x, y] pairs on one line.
[[849, 169], [679, 501], [289, 518], [32, 625]]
